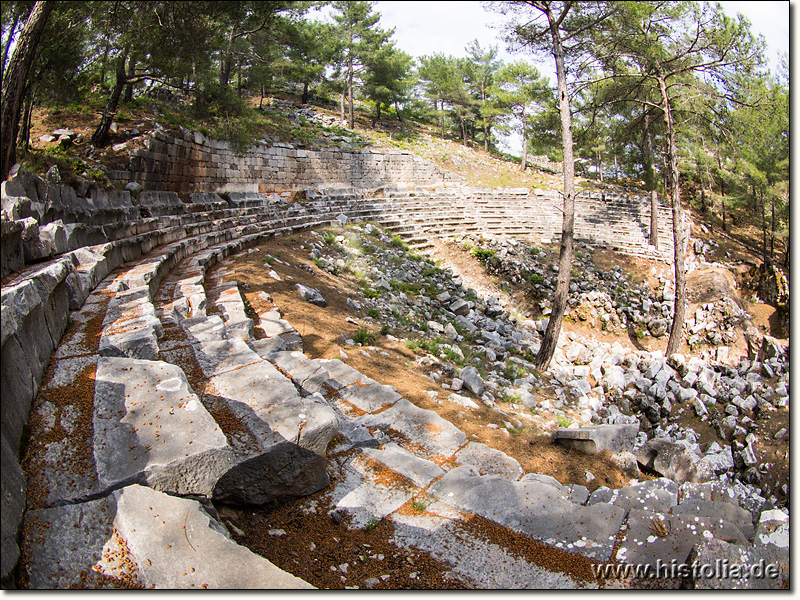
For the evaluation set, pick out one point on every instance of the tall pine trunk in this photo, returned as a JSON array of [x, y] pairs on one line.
[[650, 175], [100, 135], [342, 100], [15, 82], [550, 339], [350, 94], [678, 230], [128, 96]]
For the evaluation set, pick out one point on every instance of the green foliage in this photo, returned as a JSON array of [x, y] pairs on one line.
[[373, 523], [420, 504], [563, 421], [535, 278], [398, 242], [363, 336], [385, 329], [482, 254], [329, 238], [373, 312]]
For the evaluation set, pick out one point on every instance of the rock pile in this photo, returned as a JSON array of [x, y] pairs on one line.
[[477, 345]]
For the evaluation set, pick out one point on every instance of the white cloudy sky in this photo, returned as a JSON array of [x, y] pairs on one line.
[[428, 27], [422, 28]]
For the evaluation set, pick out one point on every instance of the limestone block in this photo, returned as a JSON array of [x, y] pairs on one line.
[[596, 438], [13, 498], [12, 254], [670, 459], [149, 427], [140, 537], [535, 509]]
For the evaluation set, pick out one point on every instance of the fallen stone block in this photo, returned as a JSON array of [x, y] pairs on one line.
[[669, 459], [658, 538], [720, 565], [596, 438], [311, 295], [141, 538], [472, 380], [150, 428]]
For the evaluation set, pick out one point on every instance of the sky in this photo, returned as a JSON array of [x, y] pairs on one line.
[[426, 27], [422, 28]]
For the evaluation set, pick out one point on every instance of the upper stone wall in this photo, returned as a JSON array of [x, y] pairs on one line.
[[199, 164]]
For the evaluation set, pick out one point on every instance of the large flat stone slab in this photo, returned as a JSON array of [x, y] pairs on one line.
[[229, 302], [756, 568], [421, 431], [130, 327], [535, 509], [658, 538], [138, 537], [417, 470], [488, 461], [596, 438], [224, 355], [368, 396], [368, 491], [259, 391], [150, 428]]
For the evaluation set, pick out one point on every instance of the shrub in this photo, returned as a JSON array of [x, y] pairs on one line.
[[363, 336], [373, 313], [482, 254], [398, 242]]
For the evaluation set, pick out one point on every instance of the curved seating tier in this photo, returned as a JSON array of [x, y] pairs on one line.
[[152, 388]]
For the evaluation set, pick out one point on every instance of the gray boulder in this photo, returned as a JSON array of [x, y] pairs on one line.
[[670, 459], [472, 380], [311, 295]]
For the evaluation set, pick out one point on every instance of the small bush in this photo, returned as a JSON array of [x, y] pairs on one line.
[[329, 238], [535, 278], [373, 313], [482, 254], [384, 330], [563, 421], [363, 336], [398, 242]]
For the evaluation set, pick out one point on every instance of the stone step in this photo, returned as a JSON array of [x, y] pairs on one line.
[[140, 537]]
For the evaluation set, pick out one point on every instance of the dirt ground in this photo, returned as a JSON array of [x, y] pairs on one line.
[[324, 331]]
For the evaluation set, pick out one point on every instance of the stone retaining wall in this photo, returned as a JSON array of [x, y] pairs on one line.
[[199, 164]]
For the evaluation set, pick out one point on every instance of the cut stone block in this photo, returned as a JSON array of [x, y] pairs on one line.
[[658, 538], [366, 493], [368, 396], [670, 459], [138, 537], [150, 428], [423, 431], [488, 461], [417, 470], [596, 438], [725, 511], [766, 568], [535, 509]]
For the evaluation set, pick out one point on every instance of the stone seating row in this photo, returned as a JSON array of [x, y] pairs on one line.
[[461, 476]]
